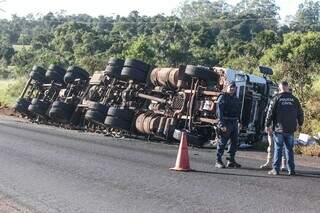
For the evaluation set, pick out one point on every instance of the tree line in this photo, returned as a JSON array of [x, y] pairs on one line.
[[209, 33]]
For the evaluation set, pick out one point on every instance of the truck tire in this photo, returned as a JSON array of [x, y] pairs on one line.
[[38, 74], [41, 78], [137, 64], [117, 62], [74, 72], [58, 69], [61, 111], [39, 107], [60, 115], [121, 113], [76, 117], [39, 69], [96, 113], [193, 140], [60, 104], [196, 140], [99, 107], [81, 72], [202, 73], [54, 76], [119, 118], [113, 71], [117, 123], [55, 73], [95, 116], [134, 74], [22, 105]]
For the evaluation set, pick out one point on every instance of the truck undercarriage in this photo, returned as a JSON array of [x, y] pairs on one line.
[[134, 98]]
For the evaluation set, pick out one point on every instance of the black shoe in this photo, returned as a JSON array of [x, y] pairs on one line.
[[233, 164], [220, 165], [291, 173], [283, 169], [273, 172]]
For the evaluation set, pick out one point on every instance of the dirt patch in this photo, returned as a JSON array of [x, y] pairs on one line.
[[5, 110]]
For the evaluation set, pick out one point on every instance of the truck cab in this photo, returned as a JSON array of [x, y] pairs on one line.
[[254, 92]]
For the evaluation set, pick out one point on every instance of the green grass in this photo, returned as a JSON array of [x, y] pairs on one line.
[[10, 90]]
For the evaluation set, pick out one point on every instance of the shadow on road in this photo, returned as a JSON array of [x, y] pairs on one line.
[[310, 174], [300, 173], [306, 174], [240, 175]]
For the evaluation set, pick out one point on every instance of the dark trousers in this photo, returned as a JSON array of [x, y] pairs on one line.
[[231, 136]]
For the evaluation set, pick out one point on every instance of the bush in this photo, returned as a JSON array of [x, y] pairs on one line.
[[4, 72], [312, 110]]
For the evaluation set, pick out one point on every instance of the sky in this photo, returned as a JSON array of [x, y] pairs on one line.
[[110, 7]]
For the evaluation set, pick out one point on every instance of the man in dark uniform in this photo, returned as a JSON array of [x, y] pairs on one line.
[[284, 117], [228, 113]]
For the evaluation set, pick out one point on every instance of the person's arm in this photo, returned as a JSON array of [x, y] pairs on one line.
[[220, 108], [300, 116], [239, 110], [271, 112]]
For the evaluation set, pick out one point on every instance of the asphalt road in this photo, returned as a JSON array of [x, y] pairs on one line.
[[47, 169]]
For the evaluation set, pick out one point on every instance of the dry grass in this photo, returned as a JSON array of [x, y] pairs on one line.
[[5, 98], [10, 90], [312, 150]]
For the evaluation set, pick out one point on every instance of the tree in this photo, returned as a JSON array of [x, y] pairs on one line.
[[141, 49], [23, 59], [41, 40], [203, 10], [263, 41], [249, 64], [69, 35], [6, 51], [92, 63], [24, 39], [297, 59], [307, 16], [262, 12]]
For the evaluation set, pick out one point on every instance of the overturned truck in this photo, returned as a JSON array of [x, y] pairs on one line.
[[134, 98], [185, 99]]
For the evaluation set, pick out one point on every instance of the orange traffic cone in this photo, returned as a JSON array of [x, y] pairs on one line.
[[182, 162]]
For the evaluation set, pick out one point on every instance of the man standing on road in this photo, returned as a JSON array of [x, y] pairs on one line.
[[228, 113], [270, 151], [285, 116]]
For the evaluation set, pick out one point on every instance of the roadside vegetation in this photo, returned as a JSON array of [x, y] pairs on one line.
[[312, 150], [10, 90], [209, 33]]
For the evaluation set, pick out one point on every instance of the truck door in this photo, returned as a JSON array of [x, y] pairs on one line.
[[241, 83]]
